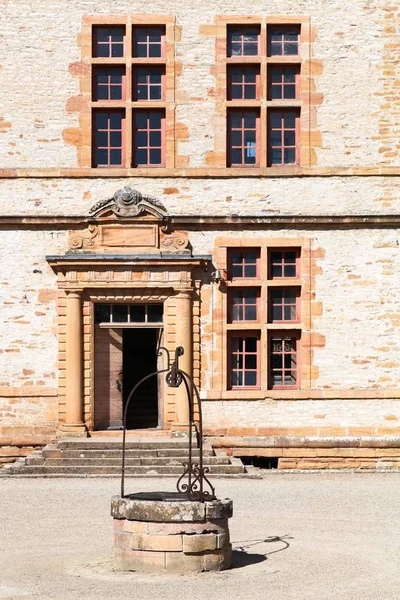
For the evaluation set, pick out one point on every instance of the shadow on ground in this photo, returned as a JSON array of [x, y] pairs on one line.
[[241, 557]]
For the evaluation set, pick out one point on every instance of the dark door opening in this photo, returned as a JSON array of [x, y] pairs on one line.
[[140, 359]]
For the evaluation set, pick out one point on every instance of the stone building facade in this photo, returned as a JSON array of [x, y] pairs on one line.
[[216, 176]]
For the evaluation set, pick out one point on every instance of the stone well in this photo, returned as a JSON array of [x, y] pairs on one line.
[[167, 533]]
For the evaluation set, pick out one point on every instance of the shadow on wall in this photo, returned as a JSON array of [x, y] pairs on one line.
[[241, 557]]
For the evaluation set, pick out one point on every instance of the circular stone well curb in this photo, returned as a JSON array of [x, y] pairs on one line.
[[165, 533]]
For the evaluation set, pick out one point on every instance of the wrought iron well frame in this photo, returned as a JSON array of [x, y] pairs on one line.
[[193, 483]]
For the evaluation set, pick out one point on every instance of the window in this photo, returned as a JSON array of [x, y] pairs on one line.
[[109, 42], [243, 304], [130, 103], [284, 304], [243, 137], [108, 138], [109, 83], [128, 313], [148, 42], [283, 41], [263, 68], [149, 134], [264, 294], [243, 41], [282, 138], [149, 83], [244, 263], [283, 354], [244, 83], [283, 83], [244, 361]]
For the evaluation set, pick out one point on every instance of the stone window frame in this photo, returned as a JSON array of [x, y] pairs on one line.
[[215, 387], [309, 137], [87, 104]]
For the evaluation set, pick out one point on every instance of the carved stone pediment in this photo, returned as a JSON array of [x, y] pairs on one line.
[[129, 222], [128, 203]]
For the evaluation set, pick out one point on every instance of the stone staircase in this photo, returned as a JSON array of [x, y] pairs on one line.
[[145, 457]]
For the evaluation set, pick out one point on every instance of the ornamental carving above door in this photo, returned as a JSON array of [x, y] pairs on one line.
[[129, 222]]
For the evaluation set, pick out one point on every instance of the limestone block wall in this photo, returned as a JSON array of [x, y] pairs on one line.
[[353, 44], [352, 195]]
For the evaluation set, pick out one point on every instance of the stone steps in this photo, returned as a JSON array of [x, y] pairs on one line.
[[90, 457]]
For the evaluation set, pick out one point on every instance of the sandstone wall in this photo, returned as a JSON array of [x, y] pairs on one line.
[[355, 43]]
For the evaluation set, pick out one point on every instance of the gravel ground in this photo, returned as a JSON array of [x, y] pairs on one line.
[[295, 537]]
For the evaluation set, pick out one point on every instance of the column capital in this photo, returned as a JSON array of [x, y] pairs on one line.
[[74, 294]]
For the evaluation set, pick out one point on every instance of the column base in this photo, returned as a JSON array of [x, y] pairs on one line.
[[72, 430], [181, 430]]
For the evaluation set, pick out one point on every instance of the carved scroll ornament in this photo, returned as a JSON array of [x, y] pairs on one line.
[[176, 240], [129, 203], [83, 239]]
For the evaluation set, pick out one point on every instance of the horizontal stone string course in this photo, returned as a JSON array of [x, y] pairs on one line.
[[171, 536]]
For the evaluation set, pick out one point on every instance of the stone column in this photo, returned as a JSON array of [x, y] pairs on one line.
[[184, 338], [74, 425]]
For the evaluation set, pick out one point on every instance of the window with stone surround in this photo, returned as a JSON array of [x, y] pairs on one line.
[[263, 324], [268, 91], [130, 64]]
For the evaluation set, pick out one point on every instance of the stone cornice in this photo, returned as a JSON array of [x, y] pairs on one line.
[[200, 172], [217, 221]]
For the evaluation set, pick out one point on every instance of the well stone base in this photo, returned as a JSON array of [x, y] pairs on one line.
[[164, 533]]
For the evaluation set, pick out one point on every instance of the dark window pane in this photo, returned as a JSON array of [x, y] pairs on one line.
[[141, 76], [115, 139], [236, 379], [120, 313], [236, 138], [236, 120], [101, 139], [289, 92], [250, 271], [276, 156], [155, 138], [235, 49], [276, 360], [251, 49], [155, 35], [289, 157], [140, 50], [102, 76], [290, 49], [250, 313], [290, 76], [289, 119], [101, 157], [116, 92], [276, 271], [251, 344], [115, 157], [137, 313], [250, 120], [117, 34], [102, 313], [275, 138], [142, 92], [290, 270], [155, 93], [101, 120], [275, 119], [102, 34], [155, 120], [155, 76], [155, 313], [155, 157], [141, 139], [103, 51], [250, 361], [276, 345], [277, 313], [154, 50], [237, 313], [115, 120], [141, 157], [250, 139], [275, 49], [117, 50], [141, 120], [289, 313], [250, 92], [236, 157], [250, 378], [289, 138], [236, 92]]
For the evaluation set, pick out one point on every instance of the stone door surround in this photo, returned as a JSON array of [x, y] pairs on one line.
[[101, 267]]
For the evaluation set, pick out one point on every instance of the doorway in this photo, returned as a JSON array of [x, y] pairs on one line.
[[140, 358]]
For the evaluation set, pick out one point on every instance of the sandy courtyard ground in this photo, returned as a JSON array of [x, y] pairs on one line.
[[297, 537]]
